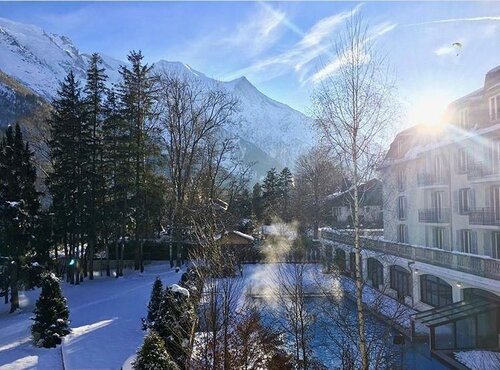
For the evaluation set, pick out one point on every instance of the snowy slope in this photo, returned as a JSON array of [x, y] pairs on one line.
[[40, 60]]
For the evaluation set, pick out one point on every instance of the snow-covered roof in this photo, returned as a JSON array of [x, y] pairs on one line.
[[243, 235]]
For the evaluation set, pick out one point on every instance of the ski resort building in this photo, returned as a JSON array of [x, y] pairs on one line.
[[440, 250]]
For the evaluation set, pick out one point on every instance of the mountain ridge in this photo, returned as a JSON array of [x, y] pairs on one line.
[[39, 60]]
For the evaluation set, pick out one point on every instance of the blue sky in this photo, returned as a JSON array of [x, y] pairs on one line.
[[282, 46]]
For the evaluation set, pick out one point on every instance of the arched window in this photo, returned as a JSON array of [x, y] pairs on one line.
[[340, 259], [435, 291], [400, 281], [375, 272]]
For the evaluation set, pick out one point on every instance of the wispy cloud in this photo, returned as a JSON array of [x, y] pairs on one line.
[[257, 33], [445, 50], [334, 65], [313, 43], [455, 20]]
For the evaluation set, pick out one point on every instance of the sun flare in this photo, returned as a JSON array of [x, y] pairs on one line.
[[429, 109]]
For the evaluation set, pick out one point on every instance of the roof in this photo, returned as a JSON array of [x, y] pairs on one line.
[[370, 194], [453, 312]]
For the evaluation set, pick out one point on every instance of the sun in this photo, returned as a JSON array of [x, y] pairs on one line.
[[428, 109]]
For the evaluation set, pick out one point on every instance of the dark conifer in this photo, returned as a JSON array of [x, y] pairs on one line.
[[19, 206], [51, 321], [154, 304], [95, 90], [153, 355]]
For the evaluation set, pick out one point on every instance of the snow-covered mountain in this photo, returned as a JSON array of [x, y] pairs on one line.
[[39, 60]]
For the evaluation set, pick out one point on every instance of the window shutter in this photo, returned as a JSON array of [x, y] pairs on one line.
[[487, 197], [473, 248], [458, 241], [472, 200], [456, 207], [488, 241]]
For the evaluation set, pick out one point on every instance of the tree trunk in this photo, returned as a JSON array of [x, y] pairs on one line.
[[108, 270], [91, 258], [14, 288], [141, 255], [359, 279], [117, 258]]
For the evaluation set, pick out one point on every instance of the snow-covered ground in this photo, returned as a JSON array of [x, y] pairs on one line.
[[479, 360], [105, 318]]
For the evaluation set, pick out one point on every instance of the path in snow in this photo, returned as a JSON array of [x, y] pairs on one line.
[[105, 318]]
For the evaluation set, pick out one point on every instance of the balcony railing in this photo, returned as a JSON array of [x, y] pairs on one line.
[[476, 265], [485, 217], [434, 215], [478, 170], [429, 179]]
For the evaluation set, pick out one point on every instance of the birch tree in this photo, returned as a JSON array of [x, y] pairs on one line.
[[353, 108]]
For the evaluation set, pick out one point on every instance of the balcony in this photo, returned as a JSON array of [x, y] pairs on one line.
[[477, 171], [429, 179], [434, 215], [485, 217], [475, 265]]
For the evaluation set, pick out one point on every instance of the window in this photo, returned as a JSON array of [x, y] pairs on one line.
[[496, 245], [495, 156], [438, 237], [495, 108], [437, 169], [400, 281], [375, 272], [435, 291], [402, 233], [401, 179], [402, 208], [465, 197], [468, 241], [463, 118], [400, 148], [336, 211], [462, 160]]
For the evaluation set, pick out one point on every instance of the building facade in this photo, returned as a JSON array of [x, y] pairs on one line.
[[441, 216]]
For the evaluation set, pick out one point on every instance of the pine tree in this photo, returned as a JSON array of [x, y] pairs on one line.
[[51, 321], [153, 355], [116, 169], [285, 189], [137, 93], [257, 202], [95, 90], [154, 304], [19, 206], [68, 183], [175, 322], [270, 194]]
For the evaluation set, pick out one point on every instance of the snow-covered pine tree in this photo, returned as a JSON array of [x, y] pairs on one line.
[[154, 304], [153, 355], [51, 320], [95, 89], [19, 206], [175, 323]]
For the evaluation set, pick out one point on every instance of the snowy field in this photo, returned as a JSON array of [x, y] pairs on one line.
[[105, 318]]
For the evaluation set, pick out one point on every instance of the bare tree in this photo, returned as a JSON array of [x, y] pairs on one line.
[[292, 312], [192, 116], [353, 108], [317, 177], [222, 286]]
